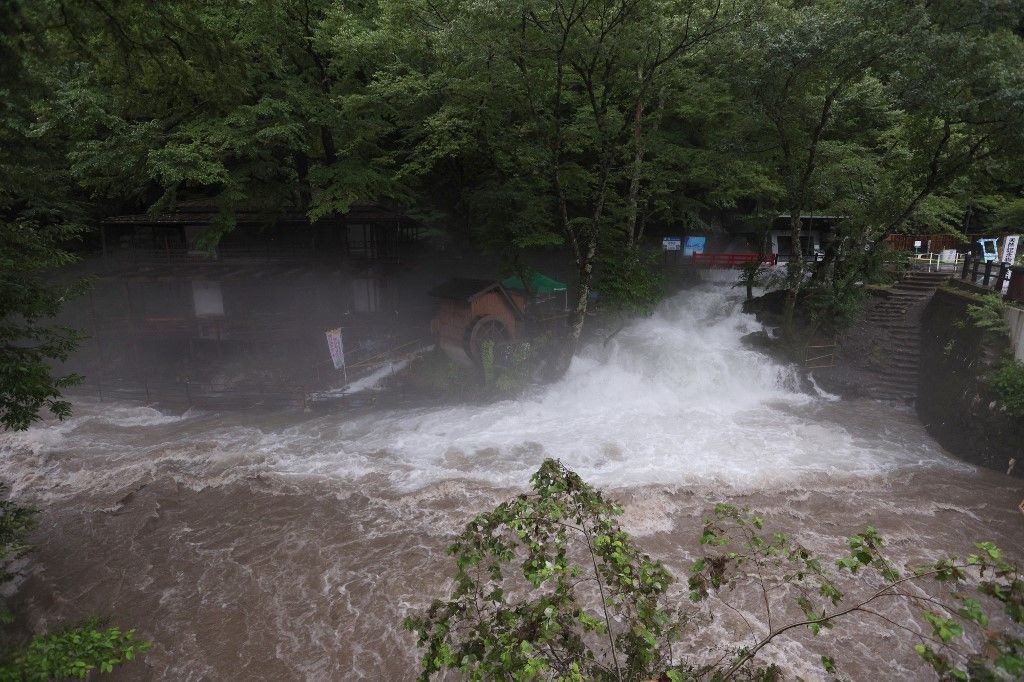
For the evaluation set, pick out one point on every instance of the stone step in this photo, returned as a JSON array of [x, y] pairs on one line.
[[903, 389], [931, 276], [896, 370]]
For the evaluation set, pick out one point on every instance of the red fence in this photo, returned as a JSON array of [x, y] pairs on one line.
[[731, 260]]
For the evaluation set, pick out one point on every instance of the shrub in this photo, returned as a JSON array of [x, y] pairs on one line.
[[1008, 381], [69, 653], [989, 315], [549, 586]]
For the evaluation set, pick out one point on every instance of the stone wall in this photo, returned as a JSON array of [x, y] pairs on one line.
[[955, 402]]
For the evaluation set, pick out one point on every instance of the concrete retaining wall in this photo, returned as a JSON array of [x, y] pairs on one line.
[[955, 401], [1015, 318]]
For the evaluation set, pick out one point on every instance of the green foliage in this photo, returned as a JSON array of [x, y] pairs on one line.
[[632, 283], [16, 523], [72, 653], [751, 275], [548, 586], [1008, 381], [69, 653], [436, 373], [37, 220], [989, 315], [517, 366], [487, 361], [1010, 216]]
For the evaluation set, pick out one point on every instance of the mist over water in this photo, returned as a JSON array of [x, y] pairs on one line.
[[288, 545], [674, 398]]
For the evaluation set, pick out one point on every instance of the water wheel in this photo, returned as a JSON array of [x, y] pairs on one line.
[[483, 329]]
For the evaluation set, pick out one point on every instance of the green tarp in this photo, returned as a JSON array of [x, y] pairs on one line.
[[539, 284]]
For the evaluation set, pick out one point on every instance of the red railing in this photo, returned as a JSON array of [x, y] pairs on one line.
[[731, 260]]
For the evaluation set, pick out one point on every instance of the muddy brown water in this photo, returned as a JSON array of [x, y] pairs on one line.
[[290, 546]]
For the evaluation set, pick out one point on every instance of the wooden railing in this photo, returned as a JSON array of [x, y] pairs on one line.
[[820, 353], [989, 274]]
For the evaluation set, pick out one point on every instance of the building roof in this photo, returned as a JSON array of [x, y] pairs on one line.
[[203, 211], [464, 288], [468, 289], [539, 284], [809, 220]]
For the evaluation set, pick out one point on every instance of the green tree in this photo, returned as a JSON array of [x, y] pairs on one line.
[[548, 586], [559, 104], [888, 113], [37, 220]]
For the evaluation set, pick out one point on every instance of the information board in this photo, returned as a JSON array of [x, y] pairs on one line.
[[1010, 248], [694, 245]]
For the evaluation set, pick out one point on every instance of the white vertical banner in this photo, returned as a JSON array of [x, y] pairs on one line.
[[1010, 248], [336, 346]]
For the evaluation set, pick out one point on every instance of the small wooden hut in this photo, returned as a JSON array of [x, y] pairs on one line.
[[473, 311]]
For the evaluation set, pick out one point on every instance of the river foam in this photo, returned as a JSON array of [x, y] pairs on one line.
[[674, 398], [288, 545]]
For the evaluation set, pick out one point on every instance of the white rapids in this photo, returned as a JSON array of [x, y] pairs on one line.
[[288, 545], [674, 398]]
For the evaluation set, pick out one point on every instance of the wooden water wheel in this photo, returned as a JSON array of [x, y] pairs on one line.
[[483, 329]]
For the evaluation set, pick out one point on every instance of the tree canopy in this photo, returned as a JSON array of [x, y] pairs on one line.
[[573, 125]]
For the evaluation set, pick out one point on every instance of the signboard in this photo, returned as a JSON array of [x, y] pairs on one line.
[[671, 243], [207, 298], [694, 245], [948, 256], [1010, 248], [337, 348]]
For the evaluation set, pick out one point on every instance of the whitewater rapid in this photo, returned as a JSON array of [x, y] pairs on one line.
[[288, 545], [674, 398]]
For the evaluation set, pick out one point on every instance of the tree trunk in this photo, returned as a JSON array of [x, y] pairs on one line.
[[634, 181], [796, 274], [563, 360]]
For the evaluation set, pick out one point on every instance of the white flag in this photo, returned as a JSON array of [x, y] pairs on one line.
[[337, 348]]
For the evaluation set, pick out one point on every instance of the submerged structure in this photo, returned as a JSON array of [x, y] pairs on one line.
[[473, 311]]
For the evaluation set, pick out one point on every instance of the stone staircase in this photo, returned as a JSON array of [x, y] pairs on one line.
[[898, 319]]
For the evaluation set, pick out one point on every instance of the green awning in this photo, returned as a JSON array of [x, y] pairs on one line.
[[541, 285]]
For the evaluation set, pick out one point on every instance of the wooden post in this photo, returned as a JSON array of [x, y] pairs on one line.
[[974, 270], [988, 273], [967, 266], [1001, 277]]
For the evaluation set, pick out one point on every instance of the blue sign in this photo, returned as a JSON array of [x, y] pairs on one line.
[[671, 243], [694, 245]]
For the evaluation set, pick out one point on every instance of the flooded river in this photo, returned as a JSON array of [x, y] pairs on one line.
[[289, 546]]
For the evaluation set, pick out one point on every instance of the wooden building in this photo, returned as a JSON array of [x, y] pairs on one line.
[[367, 231], [473, 311]]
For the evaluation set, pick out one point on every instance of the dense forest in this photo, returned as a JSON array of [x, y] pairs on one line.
[[564, 123], [568, 125]]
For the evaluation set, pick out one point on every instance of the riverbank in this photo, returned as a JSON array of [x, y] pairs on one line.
[[922, 350], [244, 570], [289, 545]]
